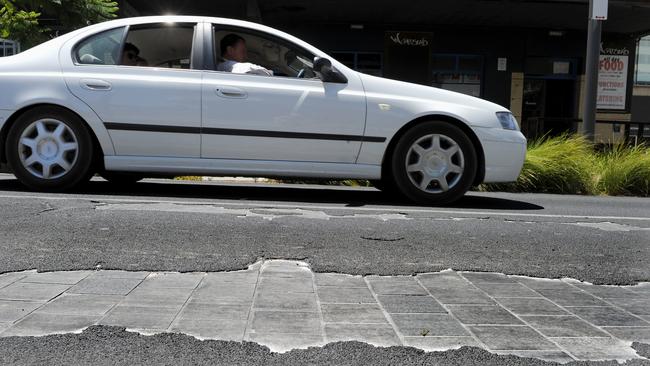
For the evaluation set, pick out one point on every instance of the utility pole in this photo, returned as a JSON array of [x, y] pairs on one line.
[[597, 14]]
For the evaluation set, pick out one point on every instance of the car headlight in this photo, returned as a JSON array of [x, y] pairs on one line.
[[508, 121]]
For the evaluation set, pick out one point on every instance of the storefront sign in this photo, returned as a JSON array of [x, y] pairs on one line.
[[612, 79], [406, 41]]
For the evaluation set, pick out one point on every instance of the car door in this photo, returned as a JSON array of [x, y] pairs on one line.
[[141, 83], [284, 118]]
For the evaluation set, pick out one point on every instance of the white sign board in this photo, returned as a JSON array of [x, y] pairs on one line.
[[502, 64], [598, 9], [612, 82]]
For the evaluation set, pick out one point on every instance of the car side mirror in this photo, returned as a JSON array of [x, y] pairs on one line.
[[323, 68]]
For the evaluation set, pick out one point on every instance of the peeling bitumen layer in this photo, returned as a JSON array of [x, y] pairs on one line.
[[114, 346]]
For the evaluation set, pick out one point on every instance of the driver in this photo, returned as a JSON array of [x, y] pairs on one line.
[[234, 55]]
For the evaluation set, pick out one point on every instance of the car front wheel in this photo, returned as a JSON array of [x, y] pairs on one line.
[[434, 163], [49, 149]]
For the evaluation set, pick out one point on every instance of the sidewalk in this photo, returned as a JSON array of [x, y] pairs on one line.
[[283, 305]]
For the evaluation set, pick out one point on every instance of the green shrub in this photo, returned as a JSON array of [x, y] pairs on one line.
[[624, 170], [561, 164]]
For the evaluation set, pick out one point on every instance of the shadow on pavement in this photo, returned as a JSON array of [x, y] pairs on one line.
[[352, 197]]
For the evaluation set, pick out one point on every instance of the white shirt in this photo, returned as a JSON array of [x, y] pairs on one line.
[[243, 68]]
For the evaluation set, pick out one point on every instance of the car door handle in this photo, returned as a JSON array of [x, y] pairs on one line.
[[231, 92], [95, 84]]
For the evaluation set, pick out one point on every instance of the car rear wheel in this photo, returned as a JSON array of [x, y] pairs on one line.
[[50, 149], [434, 163]]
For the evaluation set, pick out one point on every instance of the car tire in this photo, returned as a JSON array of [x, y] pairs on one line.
[[121, 179], [50, 149], [434, 163]]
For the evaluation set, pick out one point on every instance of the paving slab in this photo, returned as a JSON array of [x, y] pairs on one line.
[[64, 278], [634, 306], [286, 301], [286, 322], [531, 306], [38, 324], [339, 280], [140, 317], [345, 295], [243, 277], [483, 277], [11, 311], [285, 284], [410, 304], [81, 304], [7, 279], [597, 349], [507, 290], [571, 297], [103, 285], [163, 297], [511, 338], [396, 286], [606, 316], [612, 292], [221, 329], [32, 291], [172, 280], [462, 295], [483, 314], [137, 275], [632, 334], [544, 284], [425, 325], [563, 326], [352, 313], [198, 310], [231, 293]]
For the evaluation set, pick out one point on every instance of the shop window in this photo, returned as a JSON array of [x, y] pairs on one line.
[[366, 62], [459, 73], [642, 74]]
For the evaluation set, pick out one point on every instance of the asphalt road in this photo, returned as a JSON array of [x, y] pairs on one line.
[[114, 346], [163, 225]]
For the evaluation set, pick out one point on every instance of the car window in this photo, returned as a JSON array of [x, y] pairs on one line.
[[269, 52], [100, 49], [159, 45]]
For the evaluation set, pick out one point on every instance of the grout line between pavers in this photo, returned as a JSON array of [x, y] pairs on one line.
[[608, 302], [469, 331], [249, 318], [387, 316], [176, 317], [320, 309], [520, 319], [107, 313]]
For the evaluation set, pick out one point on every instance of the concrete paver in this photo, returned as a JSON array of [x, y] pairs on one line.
[[11, 311], [283, 305], [32, 291]]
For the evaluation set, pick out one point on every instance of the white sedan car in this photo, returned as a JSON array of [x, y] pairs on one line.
[[143, 97]]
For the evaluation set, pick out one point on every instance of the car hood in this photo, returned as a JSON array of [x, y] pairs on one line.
[[421, 99]]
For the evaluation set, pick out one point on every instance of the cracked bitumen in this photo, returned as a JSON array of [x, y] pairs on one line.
[[100, 345], [477, 234]]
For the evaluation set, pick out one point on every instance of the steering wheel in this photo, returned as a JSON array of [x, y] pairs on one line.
[[301, 74]]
